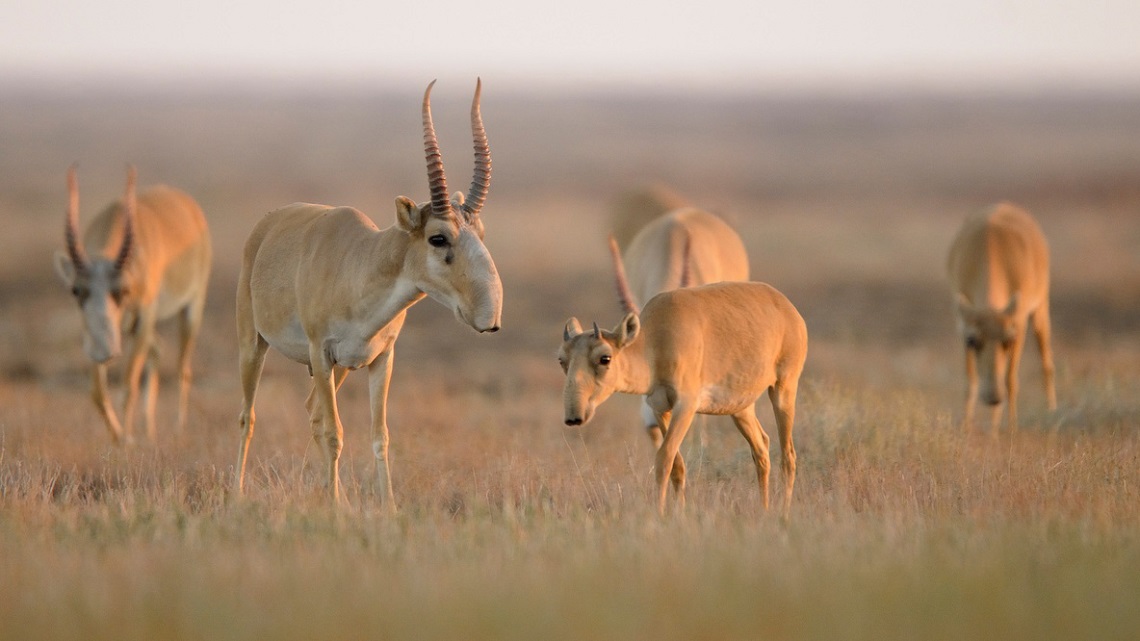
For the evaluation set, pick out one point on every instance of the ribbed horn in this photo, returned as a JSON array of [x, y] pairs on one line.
[[481, 181], [437, 181], [71, 228], [625, 295], [130, 202]]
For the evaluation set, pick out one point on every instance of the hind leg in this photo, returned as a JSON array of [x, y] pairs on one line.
[[783, 397], [758, 442]]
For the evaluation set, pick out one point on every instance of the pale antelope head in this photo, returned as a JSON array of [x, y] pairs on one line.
[[101, 284], [991, 335], [593, 362], [447, 259]]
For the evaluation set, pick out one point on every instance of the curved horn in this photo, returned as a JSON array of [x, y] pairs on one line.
[[130, 203], [481, 181], [437, 181], [625, 295], [71, 229]]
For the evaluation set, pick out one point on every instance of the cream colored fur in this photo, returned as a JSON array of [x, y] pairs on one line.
[[712, 349], [325, 287], [999, 275], [165, 276]]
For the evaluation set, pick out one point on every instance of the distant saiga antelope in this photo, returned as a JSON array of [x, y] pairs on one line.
[[712, 349], [999, 272], [325, 287], [681, 248], [149, 260]]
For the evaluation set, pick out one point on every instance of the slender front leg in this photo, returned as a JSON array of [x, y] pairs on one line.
[[679, 423], [190, 322], [140, 351], [324, 383], [316, 414], [1011, 381], [379, 376], [103, 403], [758, 443], [971, 386], [1043, 332]]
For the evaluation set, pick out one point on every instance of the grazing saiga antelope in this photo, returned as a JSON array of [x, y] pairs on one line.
[[325, 287], [681, 248], [712, 349], [150, 261], [999, 272]]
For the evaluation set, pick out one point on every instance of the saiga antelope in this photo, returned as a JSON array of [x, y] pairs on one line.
[[999, 272], [150, 261], [326, 288], [712, 349], [681, 248]]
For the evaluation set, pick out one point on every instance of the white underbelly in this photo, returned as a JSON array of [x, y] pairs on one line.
[[715, 399], [290, 341]]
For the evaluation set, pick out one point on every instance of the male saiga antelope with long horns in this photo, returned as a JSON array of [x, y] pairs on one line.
[[999, 273], [712, 349], [149, 260], [326, 288], [681, 248]]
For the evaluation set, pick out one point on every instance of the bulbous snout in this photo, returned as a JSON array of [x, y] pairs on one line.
[[482, 306], [578, 414], [100, 351], [101, 340]]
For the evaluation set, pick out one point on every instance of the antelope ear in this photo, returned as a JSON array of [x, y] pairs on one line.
[[408, 216], [457, 200], [627, 330], [64, 268], [572, 329]]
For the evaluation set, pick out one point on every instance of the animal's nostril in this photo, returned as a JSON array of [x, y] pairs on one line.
[[573, 421], [493, 329]]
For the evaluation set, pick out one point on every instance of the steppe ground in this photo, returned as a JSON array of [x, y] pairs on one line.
[[511, 526]]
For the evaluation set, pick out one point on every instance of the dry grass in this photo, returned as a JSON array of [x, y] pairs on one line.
[[511, 527]]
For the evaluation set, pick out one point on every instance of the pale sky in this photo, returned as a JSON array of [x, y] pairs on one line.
[[701, 42]]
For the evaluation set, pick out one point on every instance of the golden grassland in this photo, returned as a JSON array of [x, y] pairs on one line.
[[511, 526]]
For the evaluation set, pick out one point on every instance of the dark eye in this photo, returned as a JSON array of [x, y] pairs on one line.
[[79, 292], [604, 360], [118, 294], [562, 363], [439, 240], [973, 343]]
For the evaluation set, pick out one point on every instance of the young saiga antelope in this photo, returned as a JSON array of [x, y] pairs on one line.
[[149, 261], [999, 272], [681, 248], [326, 288], [712, 349]]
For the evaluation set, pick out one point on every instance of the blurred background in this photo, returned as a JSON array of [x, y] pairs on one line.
[[846, 142]]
